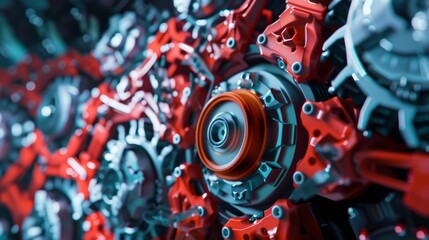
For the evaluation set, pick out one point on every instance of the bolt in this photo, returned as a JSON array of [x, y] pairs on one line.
[[187, 91], [367, 133], [281, 64], [262, 39], [226, 232], [177, 172], [308, 108], [201, 211], [176, 138], [296, 67], [230, 42], [298, 177], [277, 212]]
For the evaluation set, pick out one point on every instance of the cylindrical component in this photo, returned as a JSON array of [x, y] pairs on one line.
[[231, 134]]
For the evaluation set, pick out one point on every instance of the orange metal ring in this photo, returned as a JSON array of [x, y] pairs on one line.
[[255, 136]]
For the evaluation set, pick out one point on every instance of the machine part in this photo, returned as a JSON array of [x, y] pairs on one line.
[[283, 220], [182, 61], [121, 46], [387, 219], [296, 40], [249, 137], [96, 227], [16, 129], [58, 112], [131, 179], [203, 9], [327, 168], [389, 64], [402, 171], [193, 207], [51, 218], [57, 213], [227, 145]]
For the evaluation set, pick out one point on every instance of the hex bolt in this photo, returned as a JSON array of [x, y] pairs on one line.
[[277, 212], [296, 67], [308, 108], [262, 39], [226, 232], [298, 177], [230, 42]]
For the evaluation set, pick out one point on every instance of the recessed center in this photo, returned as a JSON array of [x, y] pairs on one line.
[[218, 132]]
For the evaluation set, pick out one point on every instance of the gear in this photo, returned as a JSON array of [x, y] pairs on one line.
[[60, 110], [130, 183], [121, 46], [249, 137], [390, 66]]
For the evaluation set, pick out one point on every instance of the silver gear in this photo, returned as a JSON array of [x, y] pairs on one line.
[[58, 212], [282, 99], [60, 112], [389, 64], [130, 185]]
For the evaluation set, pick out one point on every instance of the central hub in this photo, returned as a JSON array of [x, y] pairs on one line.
[[112, 183], [231, 134]]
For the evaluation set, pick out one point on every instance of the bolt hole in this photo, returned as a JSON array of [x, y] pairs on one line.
[[293, 49], [268, 99], [246, 237], [316, 133], [312, 161], [264, 231], [264, 168]]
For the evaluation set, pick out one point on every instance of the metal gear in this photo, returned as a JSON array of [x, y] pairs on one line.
[[130, 185], [249, 137], [120, 48], [60, 110], [389, 63], [57, 213]]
